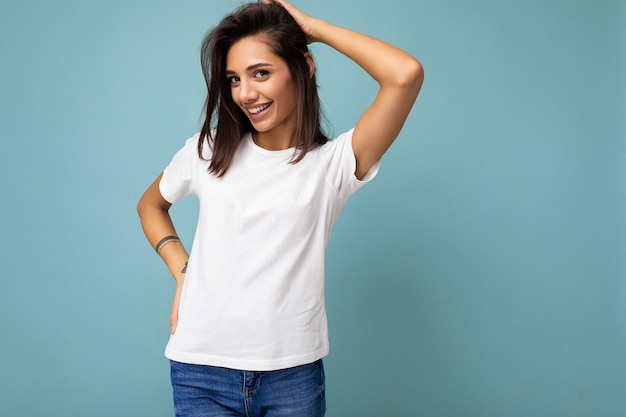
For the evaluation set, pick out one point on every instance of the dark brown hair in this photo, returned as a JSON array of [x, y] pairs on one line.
[[224, 122]]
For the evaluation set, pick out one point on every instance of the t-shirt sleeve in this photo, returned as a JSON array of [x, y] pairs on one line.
[[177, 179], [342, 165]]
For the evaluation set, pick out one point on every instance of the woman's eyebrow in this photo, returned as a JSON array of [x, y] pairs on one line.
[[250, 68]]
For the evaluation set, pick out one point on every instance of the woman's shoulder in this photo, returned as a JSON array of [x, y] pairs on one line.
[[192, 144], [338, 143]]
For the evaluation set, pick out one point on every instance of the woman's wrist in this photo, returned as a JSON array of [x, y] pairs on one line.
[[316, 30], [179, 270]]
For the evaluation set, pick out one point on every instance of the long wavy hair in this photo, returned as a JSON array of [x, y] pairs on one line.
[[224, 122]]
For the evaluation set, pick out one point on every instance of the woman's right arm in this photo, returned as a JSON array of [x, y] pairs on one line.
[[157, 224]]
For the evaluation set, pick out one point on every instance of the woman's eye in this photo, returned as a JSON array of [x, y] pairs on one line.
[[233, 80], [261, 74]]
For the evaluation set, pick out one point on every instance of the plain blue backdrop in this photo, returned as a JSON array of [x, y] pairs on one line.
[[481, 274]]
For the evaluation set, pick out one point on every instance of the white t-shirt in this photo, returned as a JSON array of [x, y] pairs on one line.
[[253, 296]]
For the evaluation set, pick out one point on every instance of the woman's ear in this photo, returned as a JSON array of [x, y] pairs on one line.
[[310, 62]]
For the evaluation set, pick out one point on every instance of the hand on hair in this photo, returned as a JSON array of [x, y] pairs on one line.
[[306, 22]]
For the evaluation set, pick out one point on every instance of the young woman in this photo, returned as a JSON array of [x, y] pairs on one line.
[[248, 322]]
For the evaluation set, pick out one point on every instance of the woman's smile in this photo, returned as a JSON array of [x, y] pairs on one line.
[[258, 110]]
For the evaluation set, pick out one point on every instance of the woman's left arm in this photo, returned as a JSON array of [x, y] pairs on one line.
[[398, 74]]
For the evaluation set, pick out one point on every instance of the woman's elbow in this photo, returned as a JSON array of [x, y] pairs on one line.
[[141, 205], [152, 199], [413, 75], [149, 202]]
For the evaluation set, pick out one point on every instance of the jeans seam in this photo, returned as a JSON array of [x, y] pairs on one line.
[[248, 390]]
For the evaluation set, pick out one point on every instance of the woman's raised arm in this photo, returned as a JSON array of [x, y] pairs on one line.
[[399, 76]]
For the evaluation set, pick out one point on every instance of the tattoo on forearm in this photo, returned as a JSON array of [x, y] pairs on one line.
[[165, 240], [184, 270]]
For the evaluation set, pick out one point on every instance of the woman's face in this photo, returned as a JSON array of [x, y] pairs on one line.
[[261, 85]]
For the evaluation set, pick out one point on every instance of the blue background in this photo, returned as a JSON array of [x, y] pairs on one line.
[[481, 274]]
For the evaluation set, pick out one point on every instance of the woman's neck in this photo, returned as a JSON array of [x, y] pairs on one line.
[[272, 140]]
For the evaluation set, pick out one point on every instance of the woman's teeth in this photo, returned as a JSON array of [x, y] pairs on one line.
[[259, 109]]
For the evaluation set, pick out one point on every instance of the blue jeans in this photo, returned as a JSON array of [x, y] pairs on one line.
[[204, 391]]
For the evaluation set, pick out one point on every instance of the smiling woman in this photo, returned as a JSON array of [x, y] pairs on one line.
[[249, 303]]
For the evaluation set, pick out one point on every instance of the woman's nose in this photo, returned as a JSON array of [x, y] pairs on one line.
[[247, 92]]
